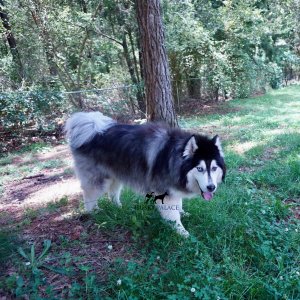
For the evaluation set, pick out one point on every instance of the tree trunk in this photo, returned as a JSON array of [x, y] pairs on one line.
[[83, 6], [140, 90], [131, 69], [71, 85], [48, 47], [159, 100], [11, 41], [66, 80], [194, 88], [217, 89], [177, 77]]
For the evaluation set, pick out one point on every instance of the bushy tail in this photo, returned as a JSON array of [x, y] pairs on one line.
[[81, 127]]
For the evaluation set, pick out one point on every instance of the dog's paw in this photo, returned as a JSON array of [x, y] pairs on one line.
[[184, 214], [182, 231], [90, 207], [118, 203]]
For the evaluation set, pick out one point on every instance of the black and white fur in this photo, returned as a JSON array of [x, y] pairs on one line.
[[148, 158]]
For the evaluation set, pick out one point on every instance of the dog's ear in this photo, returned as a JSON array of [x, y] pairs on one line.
[[224, 172], [190, 147], [217, 142]]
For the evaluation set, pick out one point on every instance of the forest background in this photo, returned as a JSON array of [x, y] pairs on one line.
[[61, 56]]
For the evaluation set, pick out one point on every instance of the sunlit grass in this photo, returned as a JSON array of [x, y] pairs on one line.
[[244, 244], [27, 162]]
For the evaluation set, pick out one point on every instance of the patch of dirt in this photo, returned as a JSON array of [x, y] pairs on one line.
[[21, 190], [48, 185], [196, 107], [246, 169], [75, 235], [36, 190], [10, 142], [270, 153], [57, 152], [294, 205], [32, 204], [94, 253]]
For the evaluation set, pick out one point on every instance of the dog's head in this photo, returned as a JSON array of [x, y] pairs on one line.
[[204, 165]]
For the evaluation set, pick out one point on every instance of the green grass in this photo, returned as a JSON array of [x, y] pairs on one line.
[[6, 247], [52, 206], [245, 244], [27, 164]]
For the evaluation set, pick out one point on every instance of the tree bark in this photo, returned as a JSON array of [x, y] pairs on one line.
[[159, 99], [11, 41], [76, 98], [48, 47], [140, 90], [131, 69], [54, 69], [194, 88]]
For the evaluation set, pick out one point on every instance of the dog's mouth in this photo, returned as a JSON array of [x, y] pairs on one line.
[[206, 195]]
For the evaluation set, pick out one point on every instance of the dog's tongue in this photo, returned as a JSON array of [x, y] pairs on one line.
[[207, 195]]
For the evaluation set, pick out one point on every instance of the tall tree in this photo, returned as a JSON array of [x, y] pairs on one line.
[[11, 40], [72, 81], [159, 99], [123, 28]]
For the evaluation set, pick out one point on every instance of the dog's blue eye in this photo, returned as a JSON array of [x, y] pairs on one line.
[[214, 169], [200, 169]]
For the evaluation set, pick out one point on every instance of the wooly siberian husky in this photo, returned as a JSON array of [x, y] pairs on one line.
[[149, 158]]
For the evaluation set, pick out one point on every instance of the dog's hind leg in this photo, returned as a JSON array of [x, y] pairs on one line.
[[115, 191], [90, 198], [170, 211], [93, 191], [94, 180]]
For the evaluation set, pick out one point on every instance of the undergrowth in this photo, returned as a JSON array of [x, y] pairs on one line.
[[244, 244]]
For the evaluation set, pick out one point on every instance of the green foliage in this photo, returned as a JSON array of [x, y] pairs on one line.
[[52, 206], [32, 261], [31, 278], [33, 264], [6, 246], [235, 48], [244, 243], [31, 108]]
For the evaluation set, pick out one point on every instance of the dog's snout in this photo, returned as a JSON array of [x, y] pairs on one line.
[[211, 187]]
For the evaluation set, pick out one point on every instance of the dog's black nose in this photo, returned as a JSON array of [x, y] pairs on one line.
[[211, 187]]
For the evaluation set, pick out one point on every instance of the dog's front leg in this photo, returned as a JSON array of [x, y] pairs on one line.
[[170, 211], [181, 211]]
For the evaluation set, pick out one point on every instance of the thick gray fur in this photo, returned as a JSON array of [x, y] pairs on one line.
[[148, 158]]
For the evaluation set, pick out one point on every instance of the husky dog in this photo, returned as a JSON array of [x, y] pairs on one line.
[[149, 158]]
